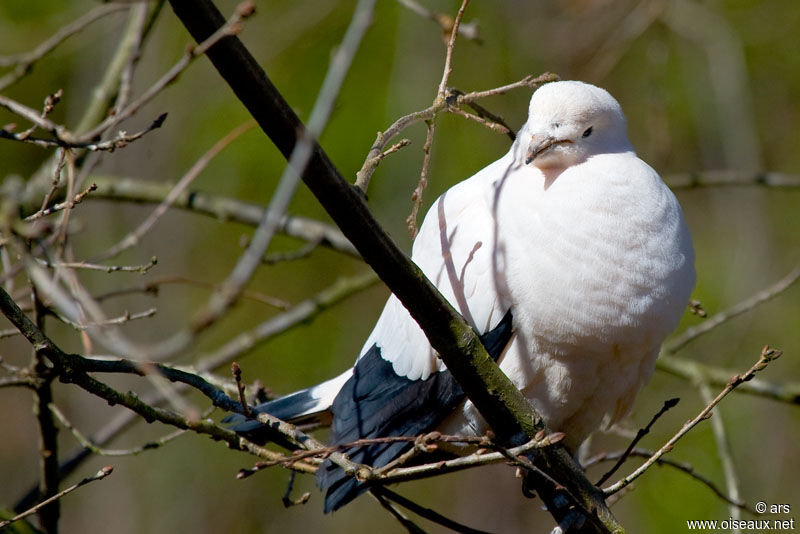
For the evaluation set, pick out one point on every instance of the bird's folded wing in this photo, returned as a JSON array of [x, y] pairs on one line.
[[399, 387], [456, 250]]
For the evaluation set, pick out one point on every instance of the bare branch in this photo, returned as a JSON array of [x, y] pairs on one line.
[[24, 62], [152, 286], [416, 196], [62, 159], [17, 381], [443, 105], [468, 31], [493, 125], [669, 404], [64, 139], [133, 237], [448, 61], [690, 334], [75, 369], [529, 81], [86, 442], [372, 162], [287, 500], [225, 209], [689, 369], [49, 478], [231, 27], [410, 526], [427, 513], [230, 289], [767, 355], [32, 116], [724, 452], [681, 466], [100, 475], [245, 341], [122, 319], [237, 376], [141, 269], [298, 313], [77, 199]]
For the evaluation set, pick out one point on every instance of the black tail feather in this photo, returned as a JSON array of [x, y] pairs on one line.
[[292, 408], [375, 402]]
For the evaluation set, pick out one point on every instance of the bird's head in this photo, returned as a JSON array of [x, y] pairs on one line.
[[570, 121]]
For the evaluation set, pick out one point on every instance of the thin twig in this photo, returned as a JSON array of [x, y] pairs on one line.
[[138, 28], [681, 466], [724, 453], [668, 404], [23, 62], [8, 333], [32, 116], [416, 196], [279, 257], [299, 313], [49, 478], [373, 161], [469, 30], [141, 269], [427, 513], [237, 376], [340, 64], [481, 457], [409, 525], [444, 105], [62, 138], [50, 102], [222, 208], [767, 355], [17, 381], [100, 475], [496, 119], [287, 500], [152, 286], [448, 60], [122, 319], [102, 94], [77, 199], [493, 125], [715, 376], [133, 237], [690, 334], [529, 81], [231, 27], [62, 159], [86, 442], [76, 369]]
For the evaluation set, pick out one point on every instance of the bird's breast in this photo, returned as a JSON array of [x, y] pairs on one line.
[[594, 260]]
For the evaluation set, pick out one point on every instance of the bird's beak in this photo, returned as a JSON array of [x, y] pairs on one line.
[[539, 144]]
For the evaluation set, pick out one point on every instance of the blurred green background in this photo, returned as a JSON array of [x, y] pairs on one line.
[[711, 85]]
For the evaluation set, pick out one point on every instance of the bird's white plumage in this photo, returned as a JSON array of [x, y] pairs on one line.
[[581, 240]]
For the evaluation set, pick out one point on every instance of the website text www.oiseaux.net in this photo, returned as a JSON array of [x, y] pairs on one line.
[[757, 525]]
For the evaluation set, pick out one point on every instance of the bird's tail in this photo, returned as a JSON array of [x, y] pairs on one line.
[[310, 405]]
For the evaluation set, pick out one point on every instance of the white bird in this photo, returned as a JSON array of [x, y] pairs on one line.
[[568, 255]]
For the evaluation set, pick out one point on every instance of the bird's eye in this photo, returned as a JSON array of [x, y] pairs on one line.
[[587, 132]]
